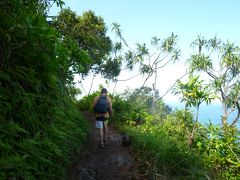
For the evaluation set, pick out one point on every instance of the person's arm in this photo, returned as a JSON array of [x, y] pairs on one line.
[[95, 102]]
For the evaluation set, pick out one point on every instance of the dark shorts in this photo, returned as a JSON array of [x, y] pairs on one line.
[[101, 118]]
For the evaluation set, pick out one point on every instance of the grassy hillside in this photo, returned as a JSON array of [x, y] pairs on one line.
[[40, 124]]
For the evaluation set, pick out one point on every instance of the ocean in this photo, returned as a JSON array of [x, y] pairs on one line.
[[207, 113]]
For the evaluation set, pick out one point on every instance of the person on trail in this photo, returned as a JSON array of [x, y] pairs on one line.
[[102, 106]]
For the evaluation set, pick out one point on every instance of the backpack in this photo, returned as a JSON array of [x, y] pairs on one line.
[[102, 105], [126, 141]]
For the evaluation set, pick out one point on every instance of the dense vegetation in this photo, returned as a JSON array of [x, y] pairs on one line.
[[41, 126], [161, 141], [175, 144]]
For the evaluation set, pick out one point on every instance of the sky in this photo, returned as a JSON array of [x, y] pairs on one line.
[[141, 20]]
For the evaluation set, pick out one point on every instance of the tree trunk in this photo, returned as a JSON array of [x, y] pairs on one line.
[[154, 90], [191, 138], [114, 89], [224, 116], [90, 89]]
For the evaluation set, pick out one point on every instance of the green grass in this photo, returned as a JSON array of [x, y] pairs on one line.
[[164, 156]]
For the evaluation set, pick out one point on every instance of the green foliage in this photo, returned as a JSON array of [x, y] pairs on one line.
[[177, 125], [111, 68], [220, 151], [87, 34], [193, 92], [164, 155], [135, 107], [75, 61], [86, 102], [201, 62], [149, 60], [40, 125], [164, 148], [143, 99], [161, 143], [224, 73]]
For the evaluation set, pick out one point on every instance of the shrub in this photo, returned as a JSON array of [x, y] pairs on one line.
[[40, 126]]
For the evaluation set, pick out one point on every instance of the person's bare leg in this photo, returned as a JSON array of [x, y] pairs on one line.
[[101, 136], [105, 132]]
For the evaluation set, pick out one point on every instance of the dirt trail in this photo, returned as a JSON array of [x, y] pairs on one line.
[[114, 162]]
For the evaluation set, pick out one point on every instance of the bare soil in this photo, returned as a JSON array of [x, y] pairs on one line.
[[114, 162]]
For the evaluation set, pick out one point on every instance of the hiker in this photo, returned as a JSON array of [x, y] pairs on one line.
[[102, 106]]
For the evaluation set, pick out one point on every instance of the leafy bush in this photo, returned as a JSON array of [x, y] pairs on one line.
[[86, 102], [221, 151], [163, 155], [40, 125], [162, 143]]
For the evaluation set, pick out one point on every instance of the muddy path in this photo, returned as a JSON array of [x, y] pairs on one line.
[[114, 162]]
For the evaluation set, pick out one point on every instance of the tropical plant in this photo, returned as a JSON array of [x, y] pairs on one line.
[[220, 151], [193, 93], [150, 62], [224, 73], [40, 125]]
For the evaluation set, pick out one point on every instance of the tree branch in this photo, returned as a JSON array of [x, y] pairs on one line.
[[82, 87], [170, 88], [162, 65], [149, 75], [238, 115], [234, 154], [128, 78], [211, 75], [115, 85], [94, 75], [232, 110], [155, 62]]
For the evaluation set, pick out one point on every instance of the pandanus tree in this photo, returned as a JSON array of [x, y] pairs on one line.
[[150, 59], [193, 93], [220, 61]]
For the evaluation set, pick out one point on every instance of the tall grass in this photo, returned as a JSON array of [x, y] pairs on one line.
[[40, 125], [163, 156]]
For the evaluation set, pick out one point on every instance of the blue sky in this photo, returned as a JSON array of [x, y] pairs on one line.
[[141, 20]]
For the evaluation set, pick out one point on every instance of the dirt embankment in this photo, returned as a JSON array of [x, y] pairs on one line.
[[114, 162]]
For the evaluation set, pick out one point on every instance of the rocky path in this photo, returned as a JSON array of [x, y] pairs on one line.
[[114, 162]]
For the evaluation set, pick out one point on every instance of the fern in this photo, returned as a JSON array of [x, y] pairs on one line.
[[40, 126]]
